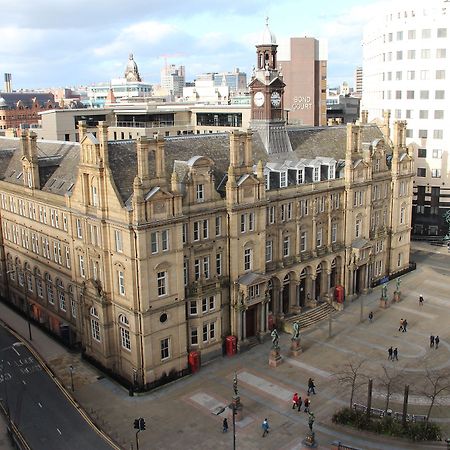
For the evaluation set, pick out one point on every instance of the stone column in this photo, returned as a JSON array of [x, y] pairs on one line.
[[296, 309], [280, 302], [328, 289], [239, 324], [313, 290], [314, 237], [244, 324], [266, 324]]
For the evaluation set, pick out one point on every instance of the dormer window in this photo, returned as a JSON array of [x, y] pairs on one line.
[[300, 176], [316, 174], [331, 172], [283, 179], [267, 181], [200, 193]]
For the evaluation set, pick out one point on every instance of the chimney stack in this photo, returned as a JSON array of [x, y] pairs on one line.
[[8, 88]]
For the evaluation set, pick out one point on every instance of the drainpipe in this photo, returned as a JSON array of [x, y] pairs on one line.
[[140, 307]]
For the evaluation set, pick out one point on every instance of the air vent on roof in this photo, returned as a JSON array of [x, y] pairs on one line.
[[52, 182], [20, 174], [12, 173], [61, 185], [70, 187]]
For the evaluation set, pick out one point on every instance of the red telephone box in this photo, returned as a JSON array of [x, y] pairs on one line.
[[339, 293], [231, 345], [194, 361]]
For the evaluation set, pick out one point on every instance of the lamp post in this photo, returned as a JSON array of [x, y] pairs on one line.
[[71, 369]]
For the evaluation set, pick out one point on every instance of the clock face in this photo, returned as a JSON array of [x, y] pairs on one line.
[[275, 98], [259, 99]]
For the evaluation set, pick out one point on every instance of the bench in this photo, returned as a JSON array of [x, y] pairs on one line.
[[359, 408], [419, 418], [377, 412]]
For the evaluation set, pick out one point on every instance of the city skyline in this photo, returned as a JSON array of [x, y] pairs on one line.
[[52, 45]]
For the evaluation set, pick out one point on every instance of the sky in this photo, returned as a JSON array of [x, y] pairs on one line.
[[58, 43]]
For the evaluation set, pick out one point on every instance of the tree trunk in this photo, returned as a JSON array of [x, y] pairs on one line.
[[431, 407]]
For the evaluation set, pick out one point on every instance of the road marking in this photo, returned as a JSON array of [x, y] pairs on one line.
[[315, 370], [59, 431], [14, 348], [39, 403], [207, 401], [266, 386]]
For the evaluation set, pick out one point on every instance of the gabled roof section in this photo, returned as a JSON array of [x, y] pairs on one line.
[[58, 163]]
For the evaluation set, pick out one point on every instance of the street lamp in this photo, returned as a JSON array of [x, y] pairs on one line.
[[71, 369]]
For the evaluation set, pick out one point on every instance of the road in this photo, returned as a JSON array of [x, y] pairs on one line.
[[437, 260], [38, 407]]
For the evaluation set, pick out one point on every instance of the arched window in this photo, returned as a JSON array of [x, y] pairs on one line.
[[124, 329], [358, 227], [95, 324], [61, 295], [73, 305], [402, 214], [39, 287], [29, 277], [50, 293]]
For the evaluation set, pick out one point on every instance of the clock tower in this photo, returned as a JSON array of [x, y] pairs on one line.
[[267, 89]]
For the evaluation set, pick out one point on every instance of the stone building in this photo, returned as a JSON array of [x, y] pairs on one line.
[[143, 251]]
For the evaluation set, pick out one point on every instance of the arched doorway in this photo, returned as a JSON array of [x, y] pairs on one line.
[[333, 275], [318, 281], [285, 294], [302, 288]]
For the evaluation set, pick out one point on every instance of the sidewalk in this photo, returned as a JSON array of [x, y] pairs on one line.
[[183, 413]]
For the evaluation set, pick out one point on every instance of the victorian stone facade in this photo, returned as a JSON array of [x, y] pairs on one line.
[[143, 251]]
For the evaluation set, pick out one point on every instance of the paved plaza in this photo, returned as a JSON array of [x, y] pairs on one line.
[[189, 413]]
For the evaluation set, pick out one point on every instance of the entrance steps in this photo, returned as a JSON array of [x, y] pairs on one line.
[[308, 318]]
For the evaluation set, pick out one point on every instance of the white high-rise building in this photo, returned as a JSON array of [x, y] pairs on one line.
[[406, 72]]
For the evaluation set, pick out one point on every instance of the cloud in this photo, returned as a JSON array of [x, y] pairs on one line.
[[138, 35]]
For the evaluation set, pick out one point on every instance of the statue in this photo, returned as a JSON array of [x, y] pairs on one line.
[[275, 339], [295, 331], [311, 421], [384, 291], [447, 219], [235, 385], [398, 281]]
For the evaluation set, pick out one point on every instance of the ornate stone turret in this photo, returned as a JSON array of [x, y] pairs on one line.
[[131, 70]]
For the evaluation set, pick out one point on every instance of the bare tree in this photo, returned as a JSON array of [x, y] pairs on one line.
[[437, 383], [389, 380], [351, 375]]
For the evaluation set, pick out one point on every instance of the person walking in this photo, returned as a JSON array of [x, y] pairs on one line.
[[265, 427], [420, 300], [225, 425], [307, 404], [400, 328], [405, 324], [370, 316], [299, 404], [311, 387], [390, 353], [395, 354], [436, 342], [431, 341], [295, 401]]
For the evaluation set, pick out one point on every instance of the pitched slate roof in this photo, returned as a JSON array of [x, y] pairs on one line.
[[58, 163], [11, 98]]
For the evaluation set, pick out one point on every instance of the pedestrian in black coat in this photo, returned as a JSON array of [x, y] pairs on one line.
[[395, 354], [431, 341], [436, 342], [390, 353]]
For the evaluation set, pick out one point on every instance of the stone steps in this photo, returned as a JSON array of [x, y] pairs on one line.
[[308, 318]]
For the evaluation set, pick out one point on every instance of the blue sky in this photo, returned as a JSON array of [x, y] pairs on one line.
[[62, 43]]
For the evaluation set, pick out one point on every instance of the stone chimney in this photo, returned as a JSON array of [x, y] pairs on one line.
[[82, 129], [386, 128], [364, 117]]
